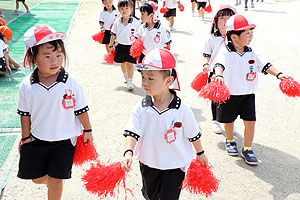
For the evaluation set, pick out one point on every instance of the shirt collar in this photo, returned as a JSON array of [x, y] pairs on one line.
[[62, 77], [217, 34], [130, 20], [231, 48], [156, 25], [175, 103]]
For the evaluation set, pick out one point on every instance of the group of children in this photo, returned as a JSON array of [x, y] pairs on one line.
[[162, 129]]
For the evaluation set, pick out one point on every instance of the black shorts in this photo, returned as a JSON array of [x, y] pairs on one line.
[[194, 1], [171, 12], [201, 5], [161, 184], [39, 158], [21, 1], [2, 65], [106, 38], [237, 105], [122, 54]]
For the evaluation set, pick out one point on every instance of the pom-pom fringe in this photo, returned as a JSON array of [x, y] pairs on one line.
[[137, 48], [290, 87], [109, 57], [215, 91]]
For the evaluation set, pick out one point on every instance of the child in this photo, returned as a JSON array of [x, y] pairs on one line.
[[5, 36], [17, 7], [161, 129], [123, 33], [194, 3], [246, 4], [171, 14], [201, 4], [211, 49], [237, 65], [106, 20], [53, 108], [153, 34]]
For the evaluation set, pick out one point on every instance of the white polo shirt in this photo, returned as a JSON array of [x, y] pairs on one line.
[[3, 47], [108, 17], [212, 47], [53, 110], [171, 3], [149, 126], [156, 37], [125, 33], [241, 70]]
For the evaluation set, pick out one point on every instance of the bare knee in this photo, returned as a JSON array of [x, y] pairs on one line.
[[41, 180]]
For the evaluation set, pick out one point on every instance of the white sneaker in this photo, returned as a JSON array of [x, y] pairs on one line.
[[252, 5], [15, 12], [171, 28], [194, 14], [130, 86], [27, 12], [216, 127]]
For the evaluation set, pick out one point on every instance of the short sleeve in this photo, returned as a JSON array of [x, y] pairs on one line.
[[207, 50], [114, 27], [166, 37], [23, 108], [133, 125], [81, 105], [101, 18], [220, 58], [191, 129], [261, 63]]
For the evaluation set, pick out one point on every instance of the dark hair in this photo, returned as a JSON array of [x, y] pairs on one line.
[[125, 3], [33, 51], [166, 73], [147, 8], [1, 36], [224, 12], [238, 33]]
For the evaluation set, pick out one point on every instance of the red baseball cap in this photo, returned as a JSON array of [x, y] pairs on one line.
[[39, 35], [6, 32], [223, 7], [160, 59], [239, 23]]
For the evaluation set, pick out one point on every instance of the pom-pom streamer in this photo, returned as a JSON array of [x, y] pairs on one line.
[[109, 57], [163, 10], [200, 180], [215, 91], [98, 37], [208, 9], [137, 48], [290, 87], [180, 7], [199, 81], [84, 152], [104, 180]]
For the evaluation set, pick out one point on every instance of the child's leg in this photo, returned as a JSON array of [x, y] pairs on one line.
[[248, 133], [193, 5], [229, 130], [107, 48], [172, 21], [13, 64], [25, 5], [129, 68], [17, 5], [55, 188], [124, 70], [201, 12], [41, 180]]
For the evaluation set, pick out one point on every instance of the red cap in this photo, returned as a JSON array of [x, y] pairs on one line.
[[239, 23], [6, 32]]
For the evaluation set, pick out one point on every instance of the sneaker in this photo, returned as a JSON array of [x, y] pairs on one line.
[[171, 28], [231, 148], [249, 157], [216, 127], [252, 5], [194, 14], [236, 4], [27, 12], [15, 12], [246, 8], [240, 2], [130, 86]]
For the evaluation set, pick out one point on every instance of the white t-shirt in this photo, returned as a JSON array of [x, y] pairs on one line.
[[241, 70], [171, 3], [211, 48], [149, 126], [125, 33], [3, 47], [156, 37], [108, 18], [53, 110]]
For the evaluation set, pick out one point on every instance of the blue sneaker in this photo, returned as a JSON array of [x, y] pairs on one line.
[[249, 157], [231, 148]]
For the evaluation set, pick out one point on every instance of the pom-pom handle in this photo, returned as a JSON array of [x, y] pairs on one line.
[[199, 81], [98, 37]]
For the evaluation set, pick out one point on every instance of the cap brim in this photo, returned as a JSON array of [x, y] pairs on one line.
[[142, 66]]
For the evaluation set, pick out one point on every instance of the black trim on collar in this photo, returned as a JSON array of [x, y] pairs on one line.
[[217, 34], [175, 103], [231, 48], [62, 77], [130, 20], [132, 134], [197, 137], [156, 25], [113, 8]]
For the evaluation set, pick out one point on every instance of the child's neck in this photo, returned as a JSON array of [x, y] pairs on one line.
[[237, 47], [108, 9], [48, 80], [125, 20], [150, 24], [162, 100]]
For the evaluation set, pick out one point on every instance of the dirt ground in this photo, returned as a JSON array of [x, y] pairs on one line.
[[276, 142]]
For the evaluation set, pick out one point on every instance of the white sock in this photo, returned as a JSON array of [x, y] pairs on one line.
[[129, 80], [125, 76]]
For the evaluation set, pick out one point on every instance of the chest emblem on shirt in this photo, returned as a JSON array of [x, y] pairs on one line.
[[68, 99], [251, 75], [157, 37], [131, 34], [170, 136]]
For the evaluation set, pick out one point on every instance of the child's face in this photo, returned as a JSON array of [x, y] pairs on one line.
[[146, 18], [48, 61], [244, 39], [125, 11], [108, 4], [222, 23], [6, 40], [154, 83]]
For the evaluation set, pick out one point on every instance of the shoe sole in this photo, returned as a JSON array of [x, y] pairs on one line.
[[249, 163], [233, 154]]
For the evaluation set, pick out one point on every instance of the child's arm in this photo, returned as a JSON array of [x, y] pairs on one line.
[[200, 153], [7, 62], [85, 121], [111, 43], [206, 66], [101, 27], [219, 73], [272, 70], [129, 146], [25, 127]]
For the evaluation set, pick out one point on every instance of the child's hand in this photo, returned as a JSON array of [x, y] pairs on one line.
[[111, 48], [203, 160], [27, 141], [206, 69], [284, 76], [219, 78], [88, 137], [127, 161], [102, 29]]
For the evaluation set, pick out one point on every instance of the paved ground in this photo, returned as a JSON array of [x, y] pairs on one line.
[[276, 141]]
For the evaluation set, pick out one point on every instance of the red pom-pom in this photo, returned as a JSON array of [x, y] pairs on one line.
[[137, 48], [109, 57], [215, 91], [290, 87], [163, 10], [180, 7], [208, 9], [104, 180], [199, 81], [84, 152], [98, 37], [200, 180]]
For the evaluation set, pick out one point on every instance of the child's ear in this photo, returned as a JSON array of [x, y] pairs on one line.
[[233, 37], [170, 80]]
